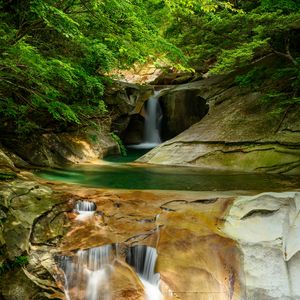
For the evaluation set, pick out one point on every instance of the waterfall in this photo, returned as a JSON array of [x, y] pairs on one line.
[[152, 123], [83, 205], [143, 259], [152, 120], [85, 209], [87, 274]]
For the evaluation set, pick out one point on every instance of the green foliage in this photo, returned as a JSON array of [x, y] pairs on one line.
[[7, 176], [232, 37], [8, 265], [55, 54], [121, 146], [253, 78], [228, 60]]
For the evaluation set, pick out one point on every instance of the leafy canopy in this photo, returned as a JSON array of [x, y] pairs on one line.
[[55, 54]]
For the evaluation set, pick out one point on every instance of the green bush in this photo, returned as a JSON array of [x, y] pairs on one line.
[[121, 146], [18, 262]]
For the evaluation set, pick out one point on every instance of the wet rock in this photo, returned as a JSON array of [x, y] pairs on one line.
[[188, 241], [134, 133], [181, 109], [124, 100]]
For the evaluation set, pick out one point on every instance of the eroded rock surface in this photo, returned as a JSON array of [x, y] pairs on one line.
[[195, 259], [31, 223], [267, 228], [210, 245], [56, 149], [238, 133]]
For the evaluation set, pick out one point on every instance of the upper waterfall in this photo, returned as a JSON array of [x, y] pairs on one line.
[[153, 120], [152, 125]]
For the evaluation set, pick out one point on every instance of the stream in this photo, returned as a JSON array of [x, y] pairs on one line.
[[154, 232]]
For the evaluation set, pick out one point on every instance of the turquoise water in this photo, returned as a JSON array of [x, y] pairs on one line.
[[128, 176], [132, 155]]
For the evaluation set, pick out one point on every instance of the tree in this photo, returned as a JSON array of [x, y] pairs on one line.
[[55, 54]]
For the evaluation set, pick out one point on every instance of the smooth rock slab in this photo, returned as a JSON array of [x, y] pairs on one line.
[[267, 229]]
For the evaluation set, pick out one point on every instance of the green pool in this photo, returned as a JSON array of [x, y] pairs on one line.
[[118, 175]]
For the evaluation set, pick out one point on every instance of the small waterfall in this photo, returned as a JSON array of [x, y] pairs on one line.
[[143, 259], [87, 274], [152, 124], [153, 120], [85, 209]]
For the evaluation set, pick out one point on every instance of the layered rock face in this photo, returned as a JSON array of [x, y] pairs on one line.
[[267, 229], [238, 133], [56, 149], [32, 221], [210, 245]]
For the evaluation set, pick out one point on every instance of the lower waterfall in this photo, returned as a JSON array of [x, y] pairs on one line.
[[87, 274], [143, 259]]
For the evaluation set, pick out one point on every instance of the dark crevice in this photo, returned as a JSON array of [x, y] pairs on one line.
[[205, 201], [259, 212], [40, 217], [242, 143]]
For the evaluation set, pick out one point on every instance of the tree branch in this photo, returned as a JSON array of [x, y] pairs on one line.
[[287, 53]]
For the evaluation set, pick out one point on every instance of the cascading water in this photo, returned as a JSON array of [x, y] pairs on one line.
[[152, 123], [143, 259], [87, 274], [153, 120], [85, 209]]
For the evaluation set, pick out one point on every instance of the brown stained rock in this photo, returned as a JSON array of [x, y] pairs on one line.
[[195, 259], [198, 264], [125, 283]]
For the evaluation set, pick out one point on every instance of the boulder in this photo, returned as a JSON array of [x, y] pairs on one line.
[[123, 100], [267, 229], [31, 224], [134, 132], [56, 149], [181, 109]]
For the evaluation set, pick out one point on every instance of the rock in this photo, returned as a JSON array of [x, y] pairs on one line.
[[51, 149], [123, 100], [267, 228], [140, 73], [238, 133], [134, 133], [23, 203], [195, 259], [181, 109], [5, 161], [15, 285], [31, 224], [170, 77]]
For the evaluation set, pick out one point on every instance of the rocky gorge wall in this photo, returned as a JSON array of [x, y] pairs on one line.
[[239, 133]]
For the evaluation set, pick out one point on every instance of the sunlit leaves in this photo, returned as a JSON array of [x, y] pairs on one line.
[[55, 18]]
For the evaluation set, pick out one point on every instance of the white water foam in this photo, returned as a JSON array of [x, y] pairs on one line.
[[85, 209], [152, 124], [143, 259], [89, 272]]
